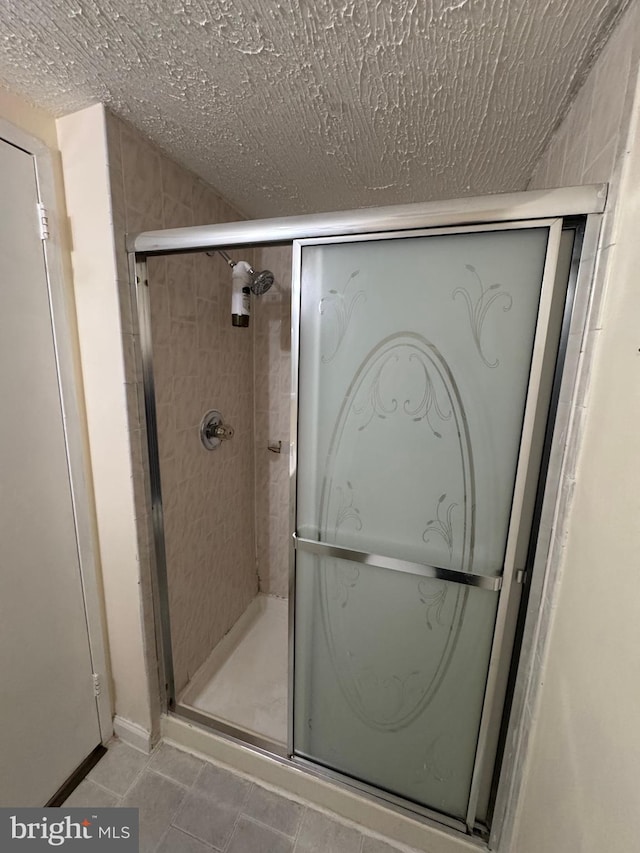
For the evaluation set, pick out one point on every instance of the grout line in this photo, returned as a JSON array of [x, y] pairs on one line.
[[239, 815], [166, 832], [268, 826], [162, 837], [247, 797], [300, 823], [289, 802], [189, 835], [198, 774], [182, 802], [135, 780], [175, 814], [99, 785], [171, 778], [126, 791]]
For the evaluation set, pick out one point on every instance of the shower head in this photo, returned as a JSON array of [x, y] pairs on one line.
[[260, 281]]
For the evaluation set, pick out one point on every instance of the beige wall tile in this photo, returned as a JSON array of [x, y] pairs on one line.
[[200, 362]]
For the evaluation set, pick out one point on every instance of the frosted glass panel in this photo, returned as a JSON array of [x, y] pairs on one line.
[[392, 685], [414, 365]]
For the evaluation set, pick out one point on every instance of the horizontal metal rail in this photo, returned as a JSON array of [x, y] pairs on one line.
[[326, 549], [501, 207]]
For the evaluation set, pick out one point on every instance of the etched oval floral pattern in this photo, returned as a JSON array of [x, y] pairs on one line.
[[337, 307], [398, 476], [479, 298]]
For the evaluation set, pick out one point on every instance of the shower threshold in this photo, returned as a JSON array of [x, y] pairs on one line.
[[243, 682]]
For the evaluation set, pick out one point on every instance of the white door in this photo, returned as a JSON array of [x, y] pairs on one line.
[[48, 711]]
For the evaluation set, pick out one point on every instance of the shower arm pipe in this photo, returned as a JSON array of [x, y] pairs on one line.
[[229, 259], [226, 256], [261, 282]]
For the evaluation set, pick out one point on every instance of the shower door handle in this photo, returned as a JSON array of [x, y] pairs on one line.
[[326, 549]]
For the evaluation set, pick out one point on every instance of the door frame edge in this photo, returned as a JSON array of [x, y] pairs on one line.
[[75, 432]]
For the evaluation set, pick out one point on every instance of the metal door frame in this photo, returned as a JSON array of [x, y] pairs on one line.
[[512, 209]]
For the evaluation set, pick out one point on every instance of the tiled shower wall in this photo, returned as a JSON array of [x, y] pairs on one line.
[[272, 376], [201, 362]]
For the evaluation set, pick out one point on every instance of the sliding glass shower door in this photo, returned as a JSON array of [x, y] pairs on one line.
[[420, 356]]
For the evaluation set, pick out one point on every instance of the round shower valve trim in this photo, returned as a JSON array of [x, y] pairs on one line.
[[213, 431]]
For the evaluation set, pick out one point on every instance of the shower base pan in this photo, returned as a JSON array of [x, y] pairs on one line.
[[243, 682]]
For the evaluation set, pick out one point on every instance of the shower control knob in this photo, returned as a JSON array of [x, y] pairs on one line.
[[224, 433], [213, 430]]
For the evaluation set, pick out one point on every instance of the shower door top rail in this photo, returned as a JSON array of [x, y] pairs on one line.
[[501, 207]]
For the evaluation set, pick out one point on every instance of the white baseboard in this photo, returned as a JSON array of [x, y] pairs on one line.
[[132, 734]]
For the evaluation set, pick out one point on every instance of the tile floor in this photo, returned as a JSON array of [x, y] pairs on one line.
[[190, 805], [244, 679]]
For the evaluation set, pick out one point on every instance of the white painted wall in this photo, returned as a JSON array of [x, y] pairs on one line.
[[83, 144], [28, 118], [580, 790]]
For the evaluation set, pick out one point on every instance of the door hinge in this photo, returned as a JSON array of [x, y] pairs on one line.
[[521, 576], [97, 686], [43, 218]]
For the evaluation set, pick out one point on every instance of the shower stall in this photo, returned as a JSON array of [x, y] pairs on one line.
[[352, 493], [221, 401]]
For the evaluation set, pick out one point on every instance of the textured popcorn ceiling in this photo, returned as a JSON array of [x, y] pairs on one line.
[[290, 106]]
